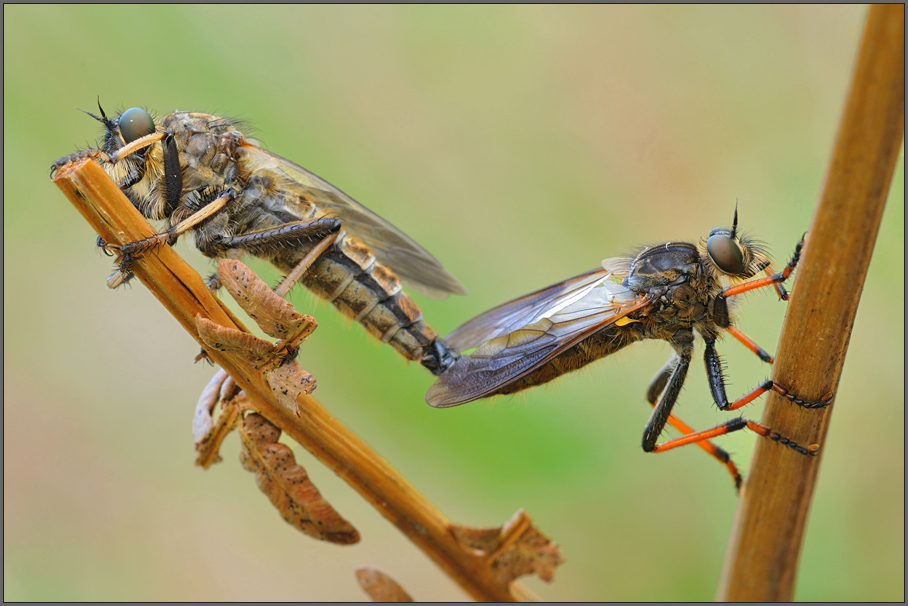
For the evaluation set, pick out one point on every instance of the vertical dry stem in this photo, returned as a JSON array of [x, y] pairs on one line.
[[762, 557]]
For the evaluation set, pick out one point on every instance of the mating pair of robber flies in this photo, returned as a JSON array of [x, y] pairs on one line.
[[200, 175]]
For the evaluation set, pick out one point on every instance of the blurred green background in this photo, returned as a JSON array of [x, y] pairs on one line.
[[521, 145]]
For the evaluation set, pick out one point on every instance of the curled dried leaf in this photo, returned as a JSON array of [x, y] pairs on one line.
[[381, 587], [273, 314], [513, 550], [230, 340], [208, 449], [202, 420], [287, 484], [287, 382], [208, 434]]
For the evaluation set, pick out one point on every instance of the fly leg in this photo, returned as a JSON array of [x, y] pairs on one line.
[[261, 242], [669, 381], [750, 344], [298, 272], [127, 254], [293, 277], [326, 230], [717, 387], [673, 379], [97, 154], [173, 185], [713, 368], [735, 425], [656, 386], [303, 266]]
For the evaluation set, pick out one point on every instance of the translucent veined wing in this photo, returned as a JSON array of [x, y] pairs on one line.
[[395, 249], [512, 315], [618, 266], [506, 358]]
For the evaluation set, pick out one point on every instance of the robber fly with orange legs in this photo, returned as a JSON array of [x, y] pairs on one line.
[[672, 292], [199, 173]]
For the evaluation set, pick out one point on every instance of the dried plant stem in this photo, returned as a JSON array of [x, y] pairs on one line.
[[762, 557], [182, 292]]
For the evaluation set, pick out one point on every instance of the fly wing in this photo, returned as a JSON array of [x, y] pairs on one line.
[[510, 316], [395, 249], [618, 266], [506, 358]]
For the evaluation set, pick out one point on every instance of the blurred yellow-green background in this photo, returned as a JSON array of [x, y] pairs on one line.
[[521, 145]]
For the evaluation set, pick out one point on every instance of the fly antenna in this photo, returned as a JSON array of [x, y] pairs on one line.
[[103, 119], [734, 224]]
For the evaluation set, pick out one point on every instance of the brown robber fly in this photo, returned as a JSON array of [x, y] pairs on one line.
[[671, 292], [200, 173]]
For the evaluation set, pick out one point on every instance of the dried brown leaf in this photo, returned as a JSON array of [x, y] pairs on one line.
[[202, 420], [273, 314], [381, 587], [208, 449], [513, 550], [208, 434], [287, 382], [287, 484], [247, 346]]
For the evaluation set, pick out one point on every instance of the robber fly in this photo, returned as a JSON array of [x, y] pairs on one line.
[[671, 292], [200, 173]]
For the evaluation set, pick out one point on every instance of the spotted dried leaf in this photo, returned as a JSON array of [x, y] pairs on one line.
[[513, 550], [230, 340], [287, 484], [381, 587], [287, 382], [273, 314]]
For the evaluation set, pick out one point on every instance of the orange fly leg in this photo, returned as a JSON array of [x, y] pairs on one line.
[[749, 397], [717, 384], [768, 385], [773, 280], [716, 452], [796, 400], [766, 432], [780, 289], [656, 387], [750, 344], [735, 425]]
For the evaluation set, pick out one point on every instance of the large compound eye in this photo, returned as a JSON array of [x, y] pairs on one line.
[[726, 254], [135, 123]]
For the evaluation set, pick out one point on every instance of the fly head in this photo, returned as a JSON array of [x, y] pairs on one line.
[[733, 256]]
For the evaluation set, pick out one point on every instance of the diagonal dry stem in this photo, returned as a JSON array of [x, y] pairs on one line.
[[762, 556], [184, 294]]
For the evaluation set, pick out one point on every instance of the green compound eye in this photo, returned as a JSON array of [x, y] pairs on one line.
[[135, 123], [726, 254]]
